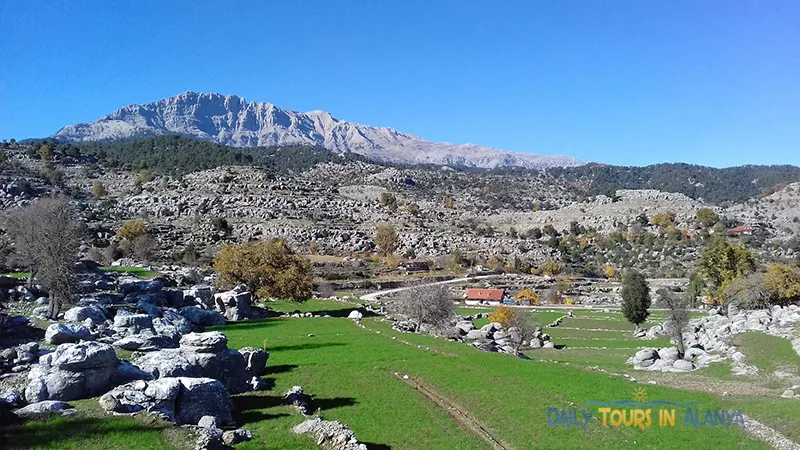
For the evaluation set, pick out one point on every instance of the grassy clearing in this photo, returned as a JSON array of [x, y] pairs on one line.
[[138, 272], [768, 353], [17, 275], [351, 370]]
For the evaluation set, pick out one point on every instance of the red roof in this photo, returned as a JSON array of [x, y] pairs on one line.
[[740, 229], [485, 294]]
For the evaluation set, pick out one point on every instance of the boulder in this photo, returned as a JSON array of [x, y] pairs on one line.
[[234, 305], [81, 313], [210, 342], [668, 354], [255, 360], [26, 353], [202, 295], [199, 355], [548, 344], [200, 397], [207, 422], [202, 317], [233, 437], [73, 371], [10, 399], [180, 400], [477, 335], [683, 365], [59, 333], [296, 397], [42, 408], [133, 324], [465, 326], [355, 315]]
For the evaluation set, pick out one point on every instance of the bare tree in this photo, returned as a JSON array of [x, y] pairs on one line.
[[429, 305], [677, 316], [47, 236], [143, 247], [748, 292], [521, 325], [326, 290]]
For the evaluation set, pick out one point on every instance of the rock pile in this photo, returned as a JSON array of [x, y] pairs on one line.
[[708, 339], [330, 434], [205, 355], [180, 400]]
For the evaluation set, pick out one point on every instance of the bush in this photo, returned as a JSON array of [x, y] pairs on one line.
[[131, 229]]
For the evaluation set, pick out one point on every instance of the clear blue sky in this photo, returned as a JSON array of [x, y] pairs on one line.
[[622, 82]]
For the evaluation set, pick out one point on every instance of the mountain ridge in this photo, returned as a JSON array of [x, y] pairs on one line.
[[233, 121]]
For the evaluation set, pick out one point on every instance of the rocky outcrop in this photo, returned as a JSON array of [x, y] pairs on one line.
[[75, 371], [204, 355], [708, 340], [180, 400]]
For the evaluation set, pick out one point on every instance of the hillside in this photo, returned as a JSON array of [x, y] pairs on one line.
[[230, 120], [732, 184]]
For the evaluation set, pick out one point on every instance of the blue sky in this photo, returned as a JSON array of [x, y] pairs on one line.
[[622, 82]]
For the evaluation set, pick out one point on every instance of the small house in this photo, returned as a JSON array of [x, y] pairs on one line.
[[484, 296], [747, 231]]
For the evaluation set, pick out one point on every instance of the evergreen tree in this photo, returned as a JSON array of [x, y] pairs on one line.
[[635, 297]]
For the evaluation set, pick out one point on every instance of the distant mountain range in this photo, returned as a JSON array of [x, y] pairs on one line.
[[230, 120]]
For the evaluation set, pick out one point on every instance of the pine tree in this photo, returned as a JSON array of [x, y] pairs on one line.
[[635, 297]]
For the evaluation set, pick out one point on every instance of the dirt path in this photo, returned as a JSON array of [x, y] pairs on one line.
[[374, 296], [461, 416]]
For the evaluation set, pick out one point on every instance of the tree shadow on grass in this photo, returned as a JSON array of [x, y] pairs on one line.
[[327, 404], [307, 346], [48, 432], [343, 313], [280, 368]]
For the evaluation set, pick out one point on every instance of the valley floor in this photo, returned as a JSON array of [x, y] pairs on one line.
[[455, 396]]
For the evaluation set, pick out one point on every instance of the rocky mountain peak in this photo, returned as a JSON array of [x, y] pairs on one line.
[[231, 120]]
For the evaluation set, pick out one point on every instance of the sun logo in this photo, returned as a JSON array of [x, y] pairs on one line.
[[640, 395]]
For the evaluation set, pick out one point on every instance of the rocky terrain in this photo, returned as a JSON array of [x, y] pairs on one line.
[[230, 120]]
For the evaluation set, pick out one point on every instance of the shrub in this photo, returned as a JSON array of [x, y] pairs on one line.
[[131, 229]]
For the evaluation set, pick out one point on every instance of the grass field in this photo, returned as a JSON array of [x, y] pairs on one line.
[[350, 371], [139, 272]]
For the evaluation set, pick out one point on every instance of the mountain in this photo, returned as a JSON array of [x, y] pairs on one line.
[[230, 120]]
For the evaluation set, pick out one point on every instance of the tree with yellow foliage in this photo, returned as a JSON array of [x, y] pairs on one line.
[[267, 268], [609, 272], [663, 220], [132, 229], [551, 268], [528, 295], [501, 314], [782, 282]]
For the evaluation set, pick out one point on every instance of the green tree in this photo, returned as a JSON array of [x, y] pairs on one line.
[[695, 288], [267, 268], [706, 217], [722, 261], [635, 297], [386, 239]]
